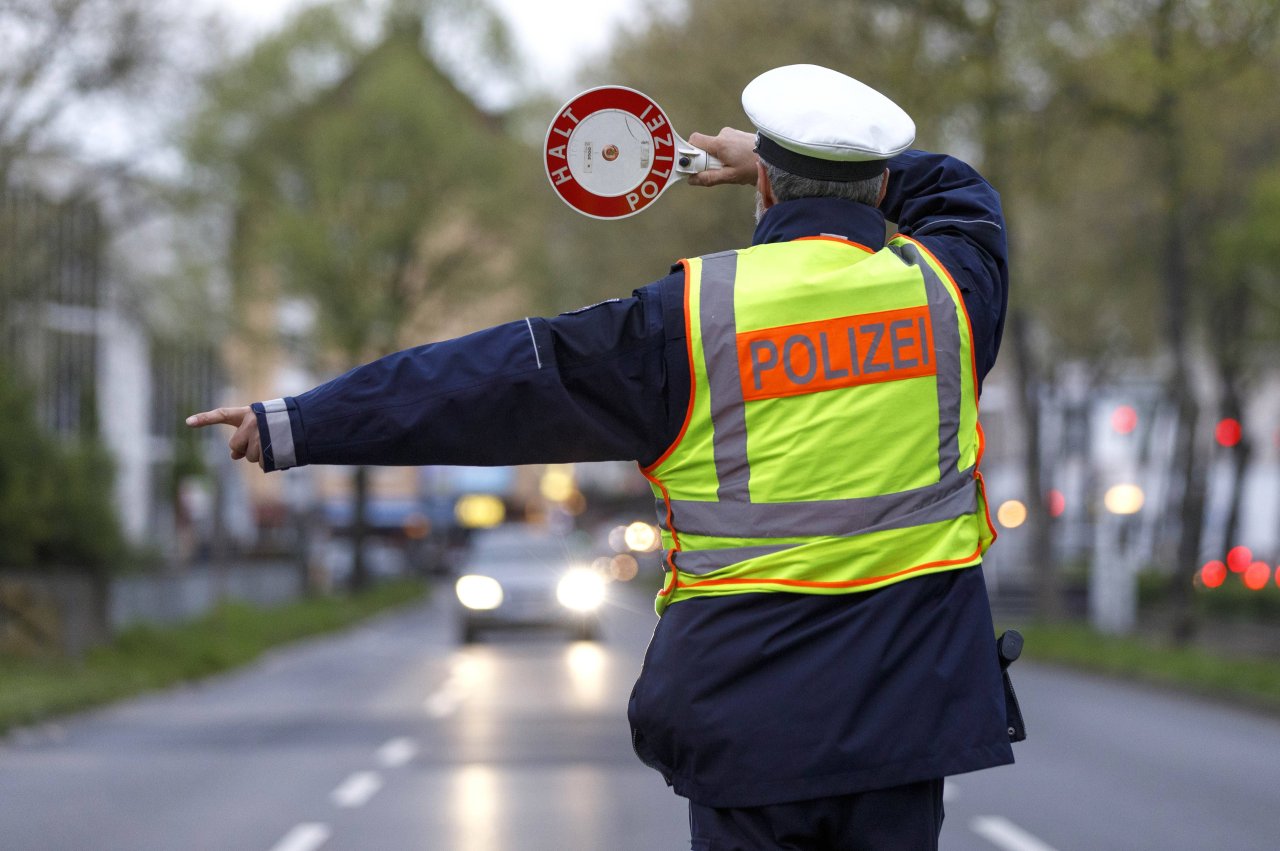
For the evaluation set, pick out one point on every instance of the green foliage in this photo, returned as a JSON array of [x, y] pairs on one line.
[[63, 54], [1232, 601], [55, 497], [365, 181], [1058, 103], [1255, 681], [146, 658]]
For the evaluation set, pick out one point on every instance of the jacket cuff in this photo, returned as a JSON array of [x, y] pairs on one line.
[[279, 427]]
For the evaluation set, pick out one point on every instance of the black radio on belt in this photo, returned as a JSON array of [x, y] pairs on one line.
[[1008, 649]]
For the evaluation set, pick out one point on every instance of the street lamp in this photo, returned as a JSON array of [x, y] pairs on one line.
[[1113, 599], [1124, 499]]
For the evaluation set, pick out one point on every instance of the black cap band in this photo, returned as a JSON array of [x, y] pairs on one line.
[[841, 171]]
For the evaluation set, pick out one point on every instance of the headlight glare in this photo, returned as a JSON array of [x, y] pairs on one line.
[[478, 592], [581, 589]]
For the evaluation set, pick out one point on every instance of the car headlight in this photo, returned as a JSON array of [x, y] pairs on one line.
[[478, 592], [581, 589]]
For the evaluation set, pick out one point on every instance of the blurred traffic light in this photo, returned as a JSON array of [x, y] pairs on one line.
[[1239, 559], [1257, 575], [1228, 432], [1124, 419], [1213, 574]]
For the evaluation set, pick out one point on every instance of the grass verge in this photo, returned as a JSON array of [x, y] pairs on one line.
[[1249, 680], [143, 658]]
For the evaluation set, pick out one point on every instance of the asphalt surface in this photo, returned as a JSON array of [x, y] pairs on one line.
[[394, 737]]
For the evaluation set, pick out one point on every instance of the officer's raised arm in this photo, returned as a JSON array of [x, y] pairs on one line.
[[946, 205], [934, 194]]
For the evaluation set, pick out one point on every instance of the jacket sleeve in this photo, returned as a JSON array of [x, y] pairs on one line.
[[949, 207], [582, 386]]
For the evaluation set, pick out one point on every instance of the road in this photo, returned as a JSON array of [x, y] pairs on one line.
[[393, 737]]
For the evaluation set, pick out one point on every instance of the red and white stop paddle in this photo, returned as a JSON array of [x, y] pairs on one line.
[[611, 151]]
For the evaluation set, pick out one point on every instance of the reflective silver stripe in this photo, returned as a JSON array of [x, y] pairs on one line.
[[952, 497], [946, 348], [699, 562], [280, 434], [719, 326]]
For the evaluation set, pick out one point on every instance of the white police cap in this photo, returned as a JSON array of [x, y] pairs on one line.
[[819, 123]]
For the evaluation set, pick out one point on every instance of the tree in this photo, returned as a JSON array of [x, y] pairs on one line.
[[60, 53], [383, 197], [1154, 71], [1243, 316]]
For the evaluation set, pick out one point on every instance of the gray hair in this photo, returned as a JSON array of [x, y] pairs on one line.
[[788, 187]]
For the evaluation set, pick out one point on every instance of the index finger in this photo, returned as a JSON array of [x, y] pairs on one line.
[[219, 416]]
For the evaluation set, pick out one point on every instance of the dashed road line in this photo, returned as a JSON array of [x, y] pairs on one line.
[[440, 704], [397, 752], [357, 789], [1001, 832], [444, 700], [307, 836]]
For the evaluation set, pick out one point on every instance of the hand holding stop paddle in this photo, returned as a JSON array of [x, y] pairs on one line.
[[611, 151]]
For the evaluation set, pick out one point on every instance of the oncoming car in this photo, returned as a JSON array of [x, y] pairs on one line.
[[522, 576]]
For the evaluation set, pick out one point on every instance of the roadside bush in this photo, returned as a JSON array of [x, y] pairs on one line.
[[1231, 601], [55, 496]]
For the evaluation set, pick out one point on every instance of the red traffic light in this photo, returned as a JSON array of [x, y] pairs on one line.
[[1257, 575], [1239, 558], [1124, 419], [1228, 432], [1213, 574], [1055, 503]]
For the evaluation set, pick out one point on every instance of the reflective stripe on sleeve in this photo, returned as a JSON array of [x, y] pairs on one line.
[[280, 434]]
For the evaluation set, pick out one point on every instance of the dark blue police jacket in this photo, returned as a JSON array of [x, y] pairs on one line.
[[749, 699]]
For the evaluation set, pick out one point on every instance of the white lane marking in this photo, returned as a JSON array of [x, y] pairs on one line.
[[307, 836], [1000, 831], [445, 700], [441, 703], [396, 752], [357, 789], [950, 791]]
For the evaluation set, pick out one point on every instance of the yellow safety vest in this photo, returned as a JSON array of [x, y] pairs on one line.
[[832, 440]]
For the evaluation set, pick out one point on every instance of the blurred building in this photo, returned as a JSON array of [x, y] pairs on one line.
[[281, 349], [1109, 469], [74, 326]]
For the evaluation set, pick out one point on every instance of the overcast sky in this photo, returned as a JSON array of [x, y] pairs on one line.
[[555, 37], [553, 47]]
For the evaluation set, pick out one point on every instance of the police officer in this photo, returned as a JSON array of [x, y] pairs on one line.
[[806, 412]]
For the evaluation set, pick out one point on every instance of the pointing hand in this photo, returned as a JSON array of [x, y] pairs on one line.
[[245, 443]]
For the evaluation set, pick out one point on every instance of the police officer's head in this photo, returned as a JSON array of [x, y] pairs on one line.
[[822, 134]]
